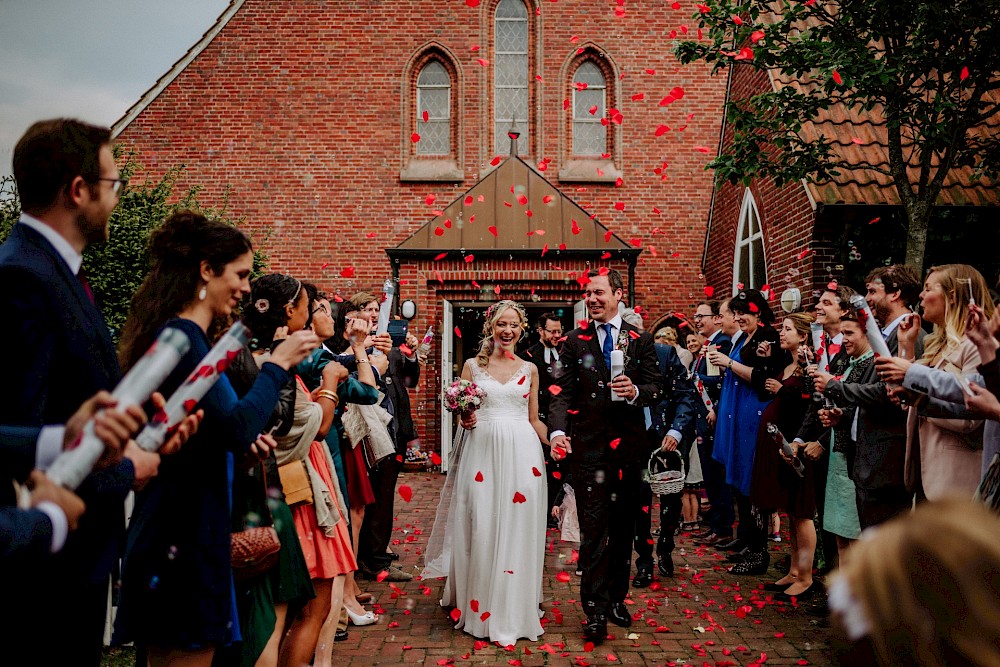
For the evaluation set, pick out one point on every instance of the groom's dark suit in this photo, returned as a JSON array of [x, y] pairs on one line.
[[609, 446], [59, 354]]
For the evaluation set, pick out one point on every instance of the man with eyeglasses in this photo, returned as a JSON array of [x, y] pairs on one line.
[[60, 353], [710, 320], [545, 355]]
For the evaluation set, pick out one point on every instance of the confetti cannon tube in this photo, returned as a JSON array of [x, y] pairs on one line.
[[186, 398], [72, 466], [822, 358], [872, 332]]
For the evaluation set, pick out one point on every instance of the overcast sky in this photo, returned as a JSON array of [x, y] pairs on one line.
[[88, 59]]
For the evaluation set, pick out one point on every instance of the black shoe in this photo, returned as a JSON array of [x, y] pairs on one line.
[[618, 614], [776, 587], [756, 562], [596, 628], [804, 595], [733, 545], [666, 566], [340, 636], [392, 555], [643, 577], [739, 556]]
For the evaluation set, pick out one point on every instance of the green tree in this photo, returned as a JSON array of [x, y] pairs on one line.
[[930, 68], [116, 269]]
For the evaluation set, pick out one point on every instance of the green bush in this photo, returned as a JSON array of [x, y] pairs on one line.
[[116, 269]]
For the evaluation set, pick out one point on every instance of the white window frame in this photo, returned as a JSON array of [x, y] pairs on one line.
[[501, 143], [447, 118], [745, 242], [587, 118]]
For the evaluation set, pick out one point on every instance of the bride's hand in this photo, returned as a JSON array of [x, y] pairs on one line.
[[468, 420]]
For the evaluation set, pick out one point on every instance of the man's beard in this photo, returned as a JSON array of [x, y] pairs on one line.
[[92, 233]]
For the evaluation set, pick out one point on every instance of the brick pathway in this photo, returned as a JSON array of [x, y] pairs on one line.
[[703, 616]]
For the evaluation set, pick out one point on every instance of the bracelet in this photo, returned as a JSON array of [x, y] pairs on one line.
[[730, 366], [363, 361], [326, 393]]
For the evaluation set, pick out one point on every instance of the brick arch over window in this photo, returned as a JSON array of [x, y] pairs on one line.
[[432, 83], [749, 260], [513, 95], [590, 143]]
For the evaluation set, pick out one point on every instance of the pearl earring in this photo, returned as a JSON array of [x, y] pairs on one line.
[[203, 294]]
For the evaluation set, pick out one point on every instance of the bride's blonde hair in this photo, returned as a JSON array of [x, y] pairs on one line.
[[492, 316]]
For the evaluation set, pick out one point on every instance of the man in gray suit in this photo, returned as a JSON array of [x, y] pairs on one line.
[[876, 463]]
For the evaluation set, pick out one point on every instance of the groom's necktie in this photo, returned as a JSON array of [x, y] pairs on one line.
[[609, 345]]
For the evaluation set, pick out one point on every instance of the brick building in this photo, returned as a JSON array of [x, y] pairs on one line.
[[353, 132]]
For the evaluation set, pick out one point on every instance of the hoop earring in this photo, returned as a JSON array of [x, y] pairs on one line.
[[203, 294]]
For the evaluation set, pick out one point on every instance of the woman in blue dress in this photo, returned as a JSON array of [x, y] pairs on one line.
[[177, 600], [755, 357]]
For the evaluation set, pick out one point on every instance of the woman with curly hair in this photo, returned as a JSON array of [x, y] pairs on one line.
[[496, 496]]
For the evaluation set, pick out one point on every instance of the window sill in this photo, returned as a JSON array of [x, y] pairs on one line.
[[589, 170], [432, 170]]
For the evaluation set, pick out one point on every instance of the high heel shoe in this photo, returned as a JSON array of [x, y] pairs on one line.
[[777, 587], [367, 618], [756, 562]]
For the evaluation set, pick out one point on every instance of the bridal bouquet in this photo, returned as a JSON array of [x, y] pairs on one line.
[[463, 397]]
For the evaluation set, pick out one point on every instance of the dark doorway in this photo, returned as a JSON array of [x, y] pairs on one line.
[[468, 319]]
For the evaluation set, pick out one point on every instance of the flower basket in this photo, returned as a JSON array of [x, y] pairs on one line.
[[415, 466]]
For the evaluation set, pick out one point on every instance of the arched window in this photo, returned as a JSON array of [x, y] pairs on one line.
[[590, 136], [434, 110], [749, 266], [510, 75]]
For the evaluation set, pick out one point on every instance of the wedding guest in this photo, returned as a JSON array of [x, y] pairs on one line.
[[922, 590], [305, 467], [177, 595], [693, 343], [774, 484], [743, 401], [59, 354], [346, 328], [944, 456], [694, 482], [840, 515], [545, 356], [715, 322], [668, 336]]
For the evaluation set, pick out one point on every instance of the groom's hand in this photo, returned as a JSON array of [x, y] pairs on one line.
[[623, 386], [561, 447]]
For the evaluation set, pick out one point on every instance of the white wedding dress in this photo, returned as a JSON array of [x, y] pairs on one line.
[[489, 534]]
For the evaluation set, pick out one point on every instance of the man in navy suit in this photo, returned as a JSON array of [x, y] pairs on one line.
[[669, 423], [711, 323], [59, 354]]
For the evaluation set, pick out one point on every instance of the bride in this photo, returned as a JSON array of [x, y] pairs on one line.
[[489, 534]]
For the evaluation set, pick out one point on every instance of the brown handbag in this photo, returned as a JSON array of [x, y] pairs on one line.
[[295, 483], [254, 552]]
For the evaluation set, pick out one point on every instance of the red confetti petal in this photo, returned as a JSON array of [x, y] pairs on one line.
[[458, 332], [455, 615], [492, 230], [495, 161], [756, 36], [709, 291], [614, 443], [563, 577], [519, 497], [474, 605], [483, 61], [405, 492], [837, 78], [479, 476], [555, 389], [536, 472], [435, 458], [414, 137], [484, 616], [964, 74]]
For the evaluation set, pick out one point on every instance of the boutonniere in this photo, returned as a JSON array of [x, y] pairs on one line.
[[623, 340]]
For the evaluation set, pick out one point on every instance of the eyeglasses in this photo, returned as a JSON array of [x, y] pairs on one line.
[[553, 331], [320, 309], [117, 184]]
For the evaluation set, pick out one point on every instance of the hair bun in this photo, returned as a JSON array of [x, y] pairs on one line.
[[177, 237]]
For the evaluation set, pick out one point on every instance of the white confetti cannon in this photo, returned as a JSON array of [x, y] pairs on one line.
[[872, 332], [71, 467], [186, 398]]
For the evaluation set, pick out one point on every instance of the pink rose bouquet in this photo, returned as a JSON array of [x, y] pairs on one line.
[[463, 397]]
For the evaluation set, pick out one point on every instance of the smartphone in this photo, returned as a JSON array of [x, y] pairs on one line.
[[397, 331]]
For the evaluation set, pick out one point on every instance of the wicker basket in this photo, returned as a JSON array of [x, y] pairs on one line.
[[663, 480]]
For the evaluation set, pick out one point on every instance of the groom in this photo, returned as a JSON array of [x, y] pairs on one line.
[[604, 443]]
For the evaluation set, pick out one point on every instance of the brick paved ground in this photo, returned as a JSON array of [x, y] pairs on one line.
[[703, 616]]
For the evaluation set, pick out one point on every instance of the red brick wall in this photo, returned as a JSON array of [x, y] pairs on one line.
[[295, 113], [795, 256]]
